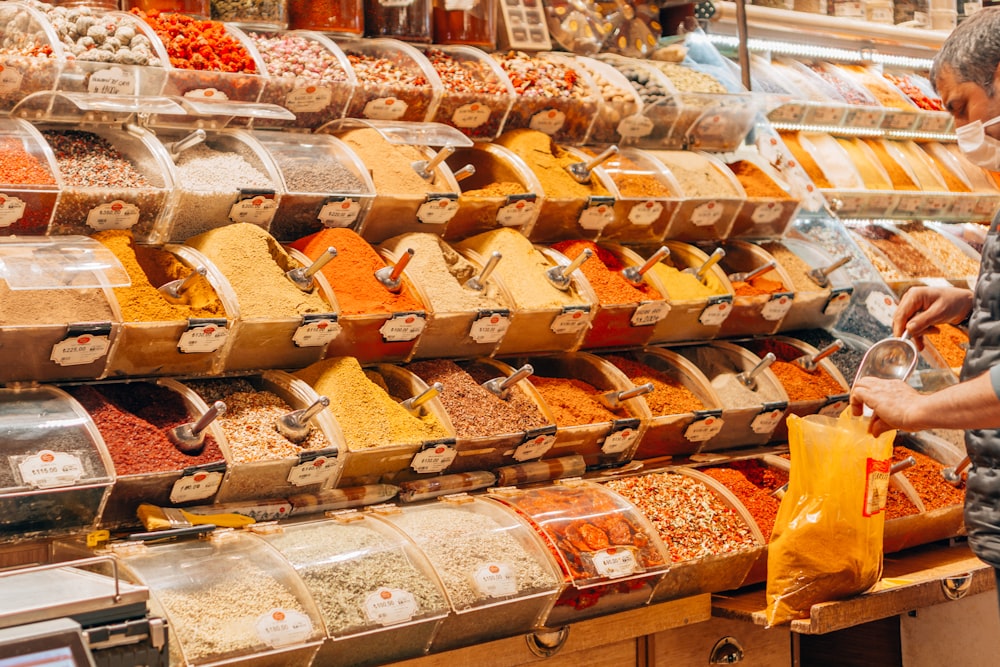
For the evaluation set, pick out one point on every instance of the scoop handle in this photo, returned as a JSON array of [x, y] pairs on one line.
[[214, 411], [515, 377], [827, 351], [712, 260], [653, 260], [397, 269], [600, 157]]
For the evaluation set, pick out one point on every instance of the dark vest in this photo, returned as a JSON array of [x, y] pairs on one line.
[[982, 496]]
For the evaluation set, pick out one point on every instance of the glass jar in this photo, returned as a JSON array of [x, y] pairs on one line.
[[409, 20], [340, 17], [471, 22], [199, 9], [262, 14]]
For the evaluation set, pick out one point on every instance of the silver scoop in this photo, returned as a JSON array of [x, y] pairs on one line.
[[425, 168], [613, 400], [302, 277], [391, 276], [954, 475], [464, 172], [635, 275], [807, 362], [889, 358], [479, 282], [746, 276], [501, 385], [190, 141], [412, 405], [702, 270], [749, 378], [899, 466], [295, 425], [821, 276], [560, 275], [173, 290], [580, 171], [190, 438]]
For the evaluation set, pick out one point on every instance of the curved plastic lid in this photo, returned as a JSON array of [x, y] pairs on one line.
[[59, 262], [77, 107], [414, 134]]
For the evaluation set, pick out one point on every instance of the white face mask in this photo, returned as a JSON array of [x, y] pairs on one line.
[[981, 149]]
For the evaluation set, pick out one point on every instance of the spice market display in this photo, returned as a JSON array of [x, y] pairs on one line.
[[364, 332]]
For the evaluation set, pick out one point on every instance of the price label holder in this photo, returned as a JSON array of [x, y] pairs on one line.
[[648, 313], [116, 214], [84, 343], [203, 335], [518, 210], [865, 118], [403, 326], [434, 457], [706, 425], [317, 330], [777, 306], [571, 320], [537, 441], [490, 325], [599, 213], [198, 483], [438, 208], [838, 301], [314, 467], [623, 435], [881, 306], [11, 209], [768, 418], [789, 112], [339, 211], [635, 126], [253, 205], [835, 405], [717, 310]]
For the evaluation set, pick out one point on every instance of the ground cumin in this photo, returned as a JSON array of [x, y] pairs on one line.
[[573, 402], [805, 160], [548, 162], [603, 272], [794, 266], [669, 397], [499, 189], [756, 182]]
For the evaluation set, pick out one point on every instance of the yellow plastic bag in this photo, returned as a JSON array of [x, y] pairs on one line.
[[827, 539]]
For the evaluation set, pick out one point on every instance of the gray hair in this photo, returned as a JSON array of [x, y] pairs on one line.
[[972, 50]]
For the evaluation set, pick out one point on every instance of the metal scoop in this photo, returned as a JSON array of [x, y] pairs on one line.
[[702, 270], [635, 275], [908, 462], [425, 168], [302, 277], [295, 425], [749, 378], [412, 405], [747, 276], [501, 385], [190, 438], [173, 290], [954, 475], [560, 275], [479, 282], [613, 400], [889, 358], [391, 276], [580, 171], [807, 362], [190, 141], [821, 276], [464, 172]]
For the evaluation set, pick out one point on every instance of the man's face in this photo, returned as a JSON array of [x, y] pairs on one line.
[[968, 101]]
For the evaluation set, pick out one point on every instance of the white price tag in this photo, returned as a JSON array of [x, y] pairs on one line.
[[316, 331], [282, 627], [598, 215], [490, 326], [316, 471], [706, 214], [111, 81], [635, 126], [199, 486], [388, 606], [649, 313], [48, 469], [434, 459], [899, 120], [437, 211], [10, 80], [935, 205], [571, 320], [517, 213], [716, 312], [881, 306], [777, 306], [701, 430], [764, 214], [113, 215], [825, 115], [615, 562], [257, 210], [535, 445], [339, 213], [310, 99], [838, 301], [402, 327], [496, 580], [766, 421], [470, 116], [207, 94], [935, 122], [645, 213], [385, 108], [11, 210], [790, 112], [909, 204], [79, 350], [203, 336], [549, 121], [849, 203], [864, 118], [621, 440]]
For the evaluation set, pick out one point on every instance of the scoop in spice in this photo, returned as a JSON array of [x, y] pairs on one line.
[[501, 385], [413, 404], [581, 170], [820, 275], [637, 275], [426, 168], [559, 276], [748, 378], [173, 291], [712, 260], [391, 275], [302, 277], [294, 426], [190, 438]]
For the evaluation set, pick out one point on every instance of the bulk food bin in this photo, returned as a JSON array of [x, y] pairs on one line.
[[919, 184], [406, 201], [769, 206], [262, 461], [982, 182], [384, 441], [280, 325], [31, 60], [900, 112], [610, 555], [570, 385], [228, 597], [711, 539], [58, 471], [494, 425], [502, 192], [698, 307], [30, 187], [461, 321], [653, 126], [760, 305], [686, 411], [324, 183], [973, 194], [113, 174], [647, 196], [395, 80], [58, 316], [900, 263], [161, 335], [377, 594], [547, 318], [711, 195], [306, 73], [476, 95], [749, 417], [619, 118], [555, 95], [499, 577], [134, 419]]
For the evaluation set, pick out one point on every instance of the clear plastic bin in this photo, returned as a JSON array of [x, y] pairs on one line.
[[58, 471], [647, 196], [711, 196], [496, 570], [395, 81], [32, 58], [266, 14], [377, 594], [653, 127], [762, 215], [324, 183], [720, 122], [30, 192], [759, 313], [621, 103], [615, 565], [813, 306], [477, 95]]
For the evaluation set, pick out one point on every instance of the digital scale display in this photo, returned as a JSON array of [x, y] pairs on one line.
[[56, 657], [55, 643]]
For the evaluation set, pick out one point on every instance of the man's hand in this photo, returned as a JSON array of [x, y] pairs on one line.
[[923, 307], [894, 404]]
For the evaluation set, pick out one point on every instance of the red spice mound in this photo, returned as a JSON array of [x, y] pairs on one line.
[[199, 45], [603, 272]]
